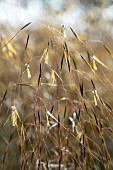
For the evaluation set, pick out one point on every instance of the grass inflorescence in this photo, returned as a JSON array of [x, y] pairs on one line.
[[56, 101]]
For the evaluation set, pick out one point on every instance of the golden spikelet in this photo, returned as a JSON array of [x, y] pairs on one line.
[[23, 131], [45, 54], [94, 65], [28, 71], [52, 76], [14, 116], [63, 31]]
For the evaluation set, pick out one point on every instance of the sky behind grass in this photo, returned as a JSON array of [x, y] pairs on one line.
[[72, 13]]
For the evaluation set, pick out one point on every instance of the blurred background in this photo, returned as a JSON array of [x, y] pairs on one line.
[[92, 16]]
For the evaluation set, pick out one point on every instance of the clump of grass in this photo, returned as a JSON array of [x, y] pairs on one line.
[[56, 112]]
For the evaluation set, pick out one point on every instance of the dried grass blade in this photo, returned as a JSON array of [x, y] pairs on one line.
[[94, 65], [65, 47], [87, 64], [53, 117], [52, 45], [35, 118], [60, 159], [48, 122], [7, 120], [39, 119], [75, 34], [68, 63], [25, 26], [4, 96], [107, 106], [59, 128], [81, 89], [66, 55], [78, 114], [108, 50], [58, 76], [10, 40], [45, 54], [27, 42], [39, 79], [23, 131], [52, 76], [95, 100], [83, 142], [65, 112], [93, 84], [89, 58], [86, 108], [52, 109], [96, 119], [74, 64], [62, 62], [100, 62]]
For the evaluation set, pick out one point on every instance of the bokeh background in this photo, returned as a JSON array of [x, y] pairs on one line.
[[89, 15]]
